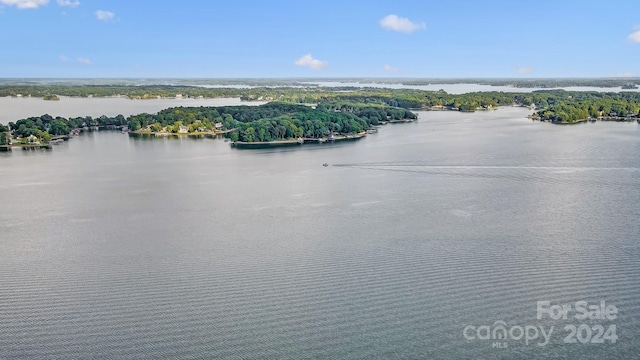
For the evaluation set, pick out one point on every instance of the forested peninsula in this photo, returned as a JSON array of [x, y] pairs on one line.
[[273, 121], [309, 112]]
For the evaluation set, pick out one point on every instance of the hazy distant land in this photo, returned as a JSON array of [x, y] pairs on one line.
[[622, 83]]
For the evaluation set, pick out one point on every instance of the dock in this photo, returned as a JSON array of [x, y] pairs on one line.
[[61, 137], [36, 147]]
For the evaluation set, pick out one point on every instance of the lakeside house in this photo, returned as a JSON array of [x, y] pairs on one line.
[[218, 126], [183, 129]]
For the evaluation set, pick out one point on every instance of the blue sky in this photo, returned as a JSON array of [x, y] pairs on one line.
[[420, 38]]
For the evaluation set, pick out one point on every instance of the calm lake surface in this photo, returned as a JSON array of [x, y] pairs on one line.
[[14, 108], [121, 247], [467, 88]]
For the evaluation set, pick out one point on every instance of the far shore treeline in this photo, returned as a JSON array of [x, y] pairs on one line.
[[340, 110]]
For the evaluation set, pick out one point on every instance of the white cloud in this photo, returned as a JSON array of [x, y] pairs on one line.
[[396, 23], [63, 58], [525, 70], [104, 15], [310, 62], [68, 3], [390, 68], [25, 4], [83, 60], [635, 37]]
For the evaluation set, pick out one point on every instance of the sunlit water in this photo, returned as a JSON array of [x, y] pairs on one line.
[[118, 247]]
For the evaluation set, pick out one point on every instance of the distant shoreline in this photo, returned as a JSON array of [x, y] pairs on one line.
[[603, 118]]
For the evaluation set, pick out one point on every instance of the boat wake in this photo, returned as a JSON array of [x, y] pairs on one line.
[[616, 176]]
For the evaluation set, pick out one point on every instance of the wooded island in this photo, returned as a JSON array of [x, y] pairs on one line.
[[312, 113]]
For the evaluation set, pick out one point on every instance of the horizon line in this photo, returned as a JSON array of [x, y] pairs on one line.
[[335, 78]]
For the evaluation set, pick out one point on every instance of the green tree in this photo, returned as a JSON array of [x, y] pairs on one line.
[[234, 136], [59, 127], [133, 125], [4, 138]]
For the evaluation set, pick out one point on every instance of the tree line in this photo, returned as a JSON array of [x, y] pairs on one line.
[[335, 111], [584, 105], [46, 125], [403, 98]]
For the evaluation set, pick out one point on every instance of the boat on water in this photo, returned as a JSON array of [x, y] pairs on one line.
[[400, 121], [357, 136], [325, 164]]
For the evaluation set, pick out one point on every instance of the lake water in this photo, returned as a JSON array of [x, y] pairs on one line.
[[467, 88], [449, 88], [14, 108], [120, 247]]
